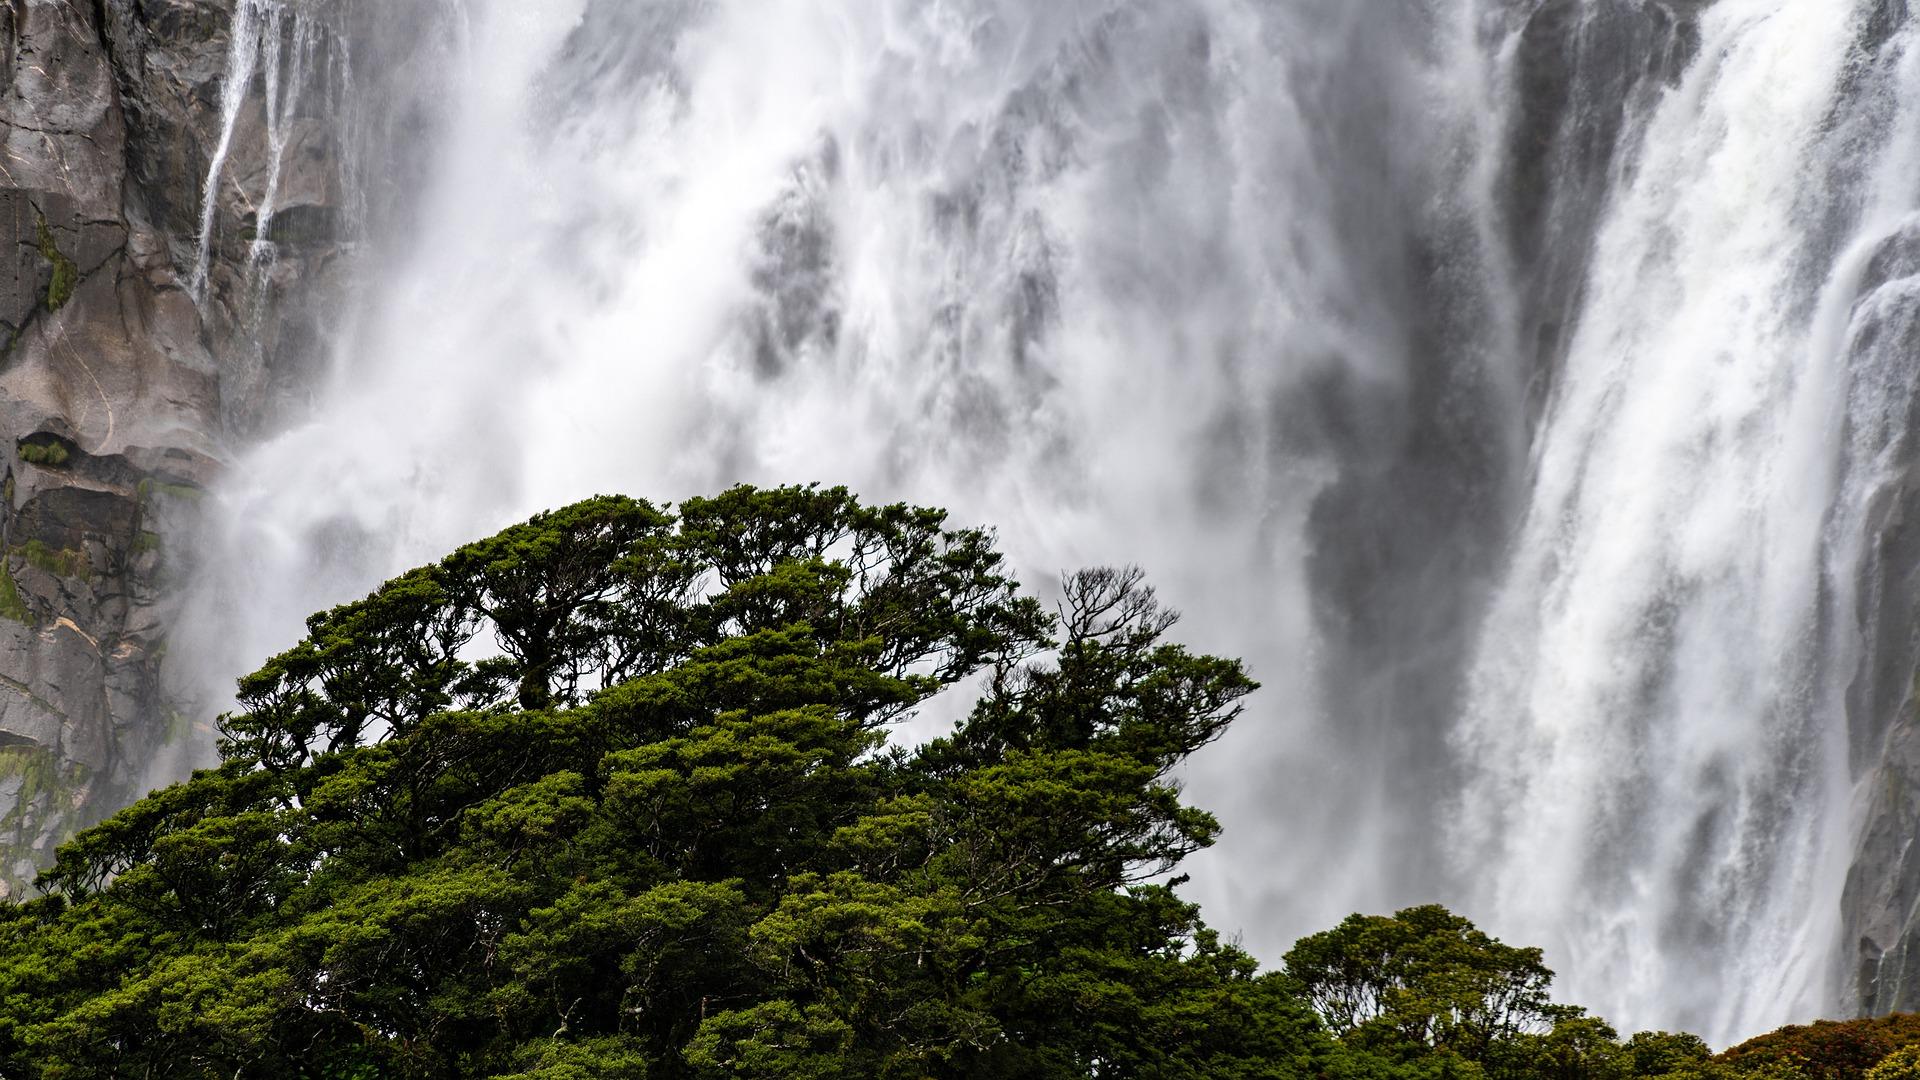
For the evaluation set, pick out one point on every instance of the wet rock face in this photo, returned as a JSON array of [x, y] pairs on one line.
[[1583, 76], [118, 386], [1881, 906]]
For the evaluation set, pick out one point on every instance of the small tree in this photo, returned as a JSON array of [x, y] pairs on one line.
[[1660, 1053], [1902, 1064], [1423, 979]]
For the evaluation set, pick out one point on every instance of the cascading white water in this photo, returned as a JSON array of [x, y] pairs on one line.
[[1222, 288], [1062, 269], [290, 53], [247, 33], [303, 63], [1656, 738]]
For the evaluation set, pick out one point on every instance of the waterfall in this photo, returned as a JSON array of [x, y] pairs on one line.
[[243, 54], [1655, 735], [1519, 421], [286, 75], [289, 46]]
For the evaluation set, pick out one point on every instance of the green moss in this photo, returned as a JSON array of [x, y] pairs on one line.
[[66, 276], [52, 453], [60, 562], [177, 491], [12, 604], [41, 775], [33, 766], [144, 542]]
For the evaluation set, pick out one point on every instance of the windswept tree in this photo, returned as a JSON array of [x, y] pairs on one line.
[[610, 795]]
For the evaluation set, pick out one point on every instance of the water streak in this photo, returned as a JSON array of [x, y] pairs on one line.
[[296, 51], [243, 54]]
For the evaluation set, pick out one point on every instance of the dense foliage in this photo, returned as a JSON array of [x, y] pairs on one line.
[[1826, 1049], [610, 795]]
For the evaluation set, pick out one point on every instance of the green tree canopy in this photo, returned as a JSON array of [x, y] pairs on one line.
[[1824, 1049], [609, 794], [1423, 979]]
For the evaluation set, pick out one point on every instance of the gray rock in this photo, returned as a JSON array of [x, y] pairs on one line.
[[117, 388], [1881, 902]]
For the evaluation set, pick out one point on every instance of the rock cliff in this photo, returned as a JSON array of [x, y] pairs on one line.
[[131, 353]]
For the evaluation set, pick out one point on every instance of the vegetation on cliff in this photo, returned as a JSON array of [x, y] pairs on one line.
[[609, 795]]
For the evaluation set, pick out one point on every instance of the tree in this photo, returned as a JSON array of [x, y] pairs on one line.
[[1825, 1049], [1577, 1047], [1658, 1053], [1902, 1064], [609, 795], [1422, 980]]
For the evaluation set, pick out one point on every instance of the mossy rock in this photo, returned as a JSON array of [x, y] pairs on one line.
[[12, 604], [150, 487], [66, 276], [60, 562], [51, 454]]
